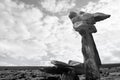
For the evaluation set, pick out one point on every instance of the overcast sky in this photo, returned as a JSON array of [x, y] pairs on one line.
[[34, 32]]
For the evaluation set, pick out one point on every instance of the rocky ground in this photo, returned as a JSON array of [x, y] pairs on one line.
[[106, 74]]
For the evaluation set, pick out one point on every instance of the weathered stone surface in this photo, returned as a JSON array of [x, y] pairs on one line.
[[74, 63], [60, 64], [84, 24]]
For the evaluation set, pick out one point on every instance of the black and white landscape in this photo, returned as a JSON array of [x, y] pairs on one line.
[[35, 32]]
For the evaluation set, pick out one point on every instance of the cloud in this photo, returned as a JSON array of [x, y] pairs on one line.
[[29, 37], [15, 32], [56, 6], [17, 18]]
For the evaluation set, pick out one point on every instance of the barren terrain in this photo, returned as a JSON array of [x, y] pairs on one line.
[[33, 73]]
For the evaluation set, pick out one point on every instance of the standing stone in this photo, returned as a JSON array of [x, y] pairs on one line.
[[84, 24]]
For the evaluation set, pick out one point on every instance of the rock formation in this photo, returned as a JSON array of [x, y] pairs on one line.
[[84, 24]]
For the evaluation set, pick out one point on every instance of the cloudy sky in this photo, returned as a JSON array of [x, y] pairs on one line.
[[34, 32]]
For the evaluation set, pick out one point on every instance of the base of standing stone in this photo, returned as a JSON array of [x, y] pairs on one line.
[[91, 70]]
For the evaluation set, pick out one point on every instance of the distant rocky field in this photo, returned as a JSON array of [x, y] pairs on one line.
[[29, 74]]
